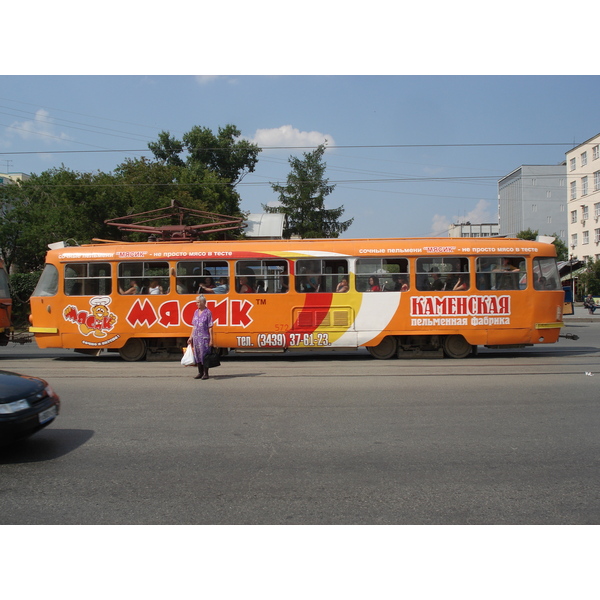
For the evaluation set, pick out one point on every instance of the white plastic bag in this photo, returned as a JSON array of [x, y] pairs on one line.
[[188, 359]]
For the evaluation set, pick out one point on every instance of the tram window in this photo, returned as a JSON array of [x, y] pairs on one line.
[[48, 282], [545, 274], [149, 277], [88, 279], [261, 276], [501, 273], [387, 274], [320, 275], [443, 274], [206, 273]]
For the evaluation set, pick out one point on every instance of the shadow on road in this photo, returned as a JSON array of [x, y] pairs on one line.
[[44, 445], [236, 375]]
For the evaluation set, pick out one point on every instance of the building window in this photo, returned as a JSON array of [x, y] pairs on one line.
[[597, 235], [585, 213], [562, 208], [561, 182], [573, 216], [583, 159], [597, 180], [534, 182], [584, 186], [548, 194], [573, 164], [573, 190], [597, 210], [596, 152], [549, 219], [573, 239], [534, 208], [586, 237]]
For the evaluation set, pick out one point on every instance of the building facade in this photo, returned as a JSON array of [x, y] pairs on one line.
[[8, 178], [583, 184], [534, 197], [473, 230]]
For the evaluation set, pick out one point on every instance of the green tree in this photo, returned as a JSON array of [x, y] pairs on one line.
[[146, 185], [562, 252], [590, 278], [149, 185], [199, 172], [13, 222], [209, 166], [528, 234], [57, 205], [302, 199], [21, 288], [225, 154], [167, 149]]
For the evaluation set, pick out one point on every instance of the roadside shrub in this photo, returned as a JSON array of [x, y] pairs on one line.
[[21, 287]]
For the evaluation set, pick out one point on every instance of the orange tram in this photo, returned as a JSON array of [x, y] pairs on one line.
[[391, 296]]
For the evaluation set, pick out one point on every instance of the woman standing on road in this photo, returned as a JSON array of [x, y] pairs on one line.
[[202, 335]]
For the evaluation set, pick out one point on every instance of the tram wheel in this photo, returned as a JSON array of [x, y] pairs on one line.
[[387, 348], [455, 346], [133, 350]]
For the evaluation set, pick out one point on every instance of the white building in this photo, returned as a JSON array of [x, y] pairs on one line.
[[8, 178], [583, 183], [534, 197], [473, 230]]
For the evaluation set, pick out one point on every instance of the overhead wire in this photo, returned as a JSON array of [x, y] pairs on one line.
[[36, 118], [78, 113], [291, 147], [487, 180]]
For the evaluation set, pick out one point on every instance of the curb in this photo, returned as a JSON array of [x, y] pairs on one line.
[[590, 319]]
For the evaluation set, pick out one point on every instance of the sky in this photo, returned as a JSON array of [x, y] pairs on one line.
[[408, 155]]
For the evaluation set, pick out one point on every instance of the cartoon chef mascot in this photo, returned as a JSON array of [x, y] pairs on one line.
[[98, 321]]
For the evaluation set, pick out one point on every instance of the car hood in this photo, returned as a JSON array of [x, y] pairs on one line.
[[14, 386]]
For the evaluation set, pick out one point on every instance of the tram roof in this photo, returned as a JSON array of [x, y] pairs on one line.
[[298, 248]]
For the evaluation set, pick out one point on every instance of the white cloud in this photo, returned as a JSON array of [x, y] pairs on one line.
[[41, 127], [273, 203], [289, 136], [204, 79], [433, 171], [482, 213], [440, 226], [208, 79]]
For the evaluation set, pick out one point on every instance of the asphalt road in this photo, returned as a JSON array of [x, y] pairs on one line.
[[507, 437]]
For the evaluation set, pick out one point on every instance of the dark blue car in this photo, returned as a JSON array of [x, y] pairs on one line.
[[27, 404]]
